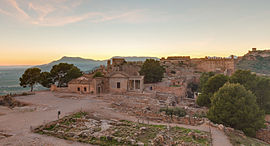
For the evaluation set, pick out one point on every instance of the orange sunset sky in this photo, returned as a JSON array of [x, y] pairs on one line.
[[37, 32]]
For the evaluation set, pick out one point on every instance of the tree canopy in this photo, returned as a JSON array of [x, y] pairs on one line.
[[204, 78], [30, 77], [262, 92], [63, 73], [46, 79], [260, 86], [245, 78], [98, 74], [236, 107], [152, 71], [211, 86]]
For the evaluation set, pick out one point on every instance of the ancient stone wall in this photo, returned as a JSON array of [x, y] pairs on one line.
[[123, 84], [219, 65], [178, 91], [264, 135], [83, 88], [207, 64]]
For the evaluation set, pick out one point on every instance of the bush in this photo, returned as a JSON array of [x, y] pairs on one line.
[[174, 111], [236, 107], [98, 74], [204, 78], [259, 86], [204, 100]]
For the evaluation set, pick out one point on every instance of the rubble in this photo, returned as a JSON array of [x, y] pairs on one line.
[[90, 129], [264, 135], [4, 135], [147, 108]]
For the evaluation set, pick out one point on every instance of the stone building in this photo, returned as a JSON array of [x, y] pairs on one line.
[[87, 84], [118, 77]]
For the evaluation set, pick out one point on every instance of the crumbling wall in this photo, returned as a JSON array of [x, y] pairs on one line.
[[219, 65], [178, 91], [207, 64], [264, 135]]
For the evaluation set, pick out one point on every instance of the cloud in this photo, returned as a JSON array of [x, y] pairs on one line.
[[5, 12], [62, 12], [16, 6]]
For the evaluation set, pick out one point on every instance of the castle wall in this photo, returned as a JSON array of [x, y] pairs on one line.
[[216, 64], [225, 66]]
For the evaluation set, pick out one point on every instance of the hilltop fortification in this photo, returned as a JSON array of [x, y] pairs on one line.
[[257, 61], [173, 64]]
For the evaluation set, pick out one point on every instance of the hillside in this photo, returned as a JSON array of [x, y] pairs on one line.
[[87, 64], [83, 64], [256, 61]]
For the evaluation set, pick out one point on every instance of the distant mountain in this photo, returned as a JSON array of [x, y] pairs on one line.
[[256, 61], [87, 64], [81, 63]]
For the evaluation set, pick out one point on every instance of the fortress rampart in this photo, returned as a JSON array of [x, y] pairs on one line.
[[207, 64]]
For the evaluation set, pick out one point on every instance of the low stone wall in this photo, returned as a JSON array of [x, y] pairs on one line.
[[178, 91], [264, 135], [54, 88]]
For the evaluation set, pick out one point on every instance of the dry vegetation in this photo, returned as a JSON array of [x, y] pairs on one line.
[[237, 138], [86, 128], [11, 102]]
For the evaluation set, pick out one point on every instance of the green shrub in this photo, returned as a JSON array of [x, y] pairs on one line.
[[236, 107], [174, 111], [98, 74], [209, 88]]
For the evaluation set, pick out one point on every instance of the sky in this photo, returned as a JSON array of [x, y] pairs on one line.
[[39, 31]]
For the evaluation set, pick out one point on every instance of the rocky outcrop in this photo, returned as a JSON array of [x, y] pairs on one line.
[[255, 61], [9, 101]]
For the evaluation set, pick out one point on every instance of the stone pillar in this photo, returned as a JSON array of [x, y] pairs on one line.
[[134, 84], [141, 85]]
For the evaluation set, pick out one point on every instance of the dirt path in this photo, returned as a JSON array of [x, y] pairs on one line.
[[47, 104]]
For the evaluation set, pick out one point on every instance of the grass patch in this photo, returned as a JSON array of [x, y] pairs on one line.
[[79, 115]]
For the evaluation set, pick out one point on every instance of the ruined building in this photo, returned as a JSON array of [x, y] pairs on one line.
[[118, 77], [225, 66]]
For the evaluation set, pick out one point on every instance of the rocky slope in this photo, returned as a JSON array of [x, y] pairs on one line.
[[256, 61]]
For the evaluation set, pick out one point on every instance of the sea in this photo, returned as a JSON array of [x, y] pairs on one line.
[[10, 80]]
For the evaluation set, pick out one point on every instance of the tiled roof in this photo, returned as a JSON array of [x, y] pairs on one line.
[[85, 79]]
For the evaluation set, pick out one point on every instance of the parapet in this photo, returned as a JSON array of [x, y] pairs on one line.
[[178, 58], [118, 61]]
